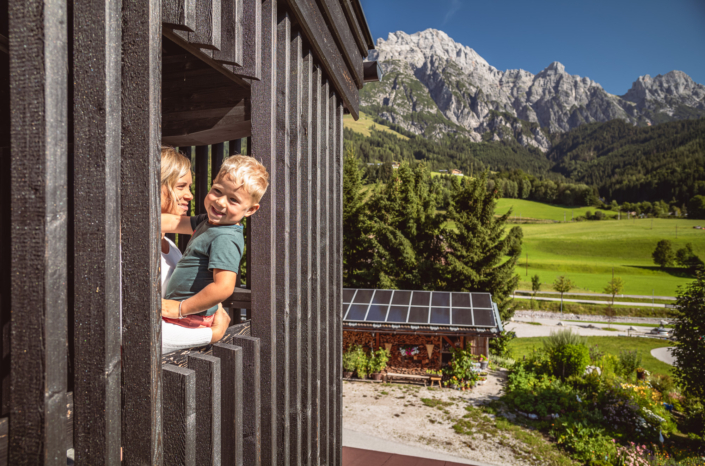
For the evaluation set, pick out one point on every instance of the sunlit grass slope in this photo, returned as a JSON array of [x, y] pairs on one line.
[[530, 209], [365, 124]]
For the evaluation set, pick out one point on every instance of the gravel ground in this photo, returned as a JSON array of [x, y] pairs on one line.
[[527, 315], [396, 413], [524, 329]]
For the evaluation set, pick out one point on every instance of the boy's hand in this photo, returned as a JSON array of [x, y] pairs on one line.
[[176, 224], [170, 308]]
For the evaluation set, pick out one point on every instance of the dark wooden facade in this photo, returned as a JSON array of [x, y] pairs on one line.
[[88, 93]]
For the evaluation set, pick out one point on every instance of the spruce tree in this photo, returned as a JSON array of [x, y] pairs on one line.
[[476, 248], [358, 245]]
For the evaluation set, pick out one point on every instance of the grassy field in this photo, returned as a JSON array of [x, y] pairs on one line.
[[365, 124], [607, 345], [587, 252], [530, 209]]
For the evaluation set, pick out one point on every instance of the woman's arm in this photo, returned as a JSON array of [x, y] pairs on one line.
[[176, 224], [175, 337]]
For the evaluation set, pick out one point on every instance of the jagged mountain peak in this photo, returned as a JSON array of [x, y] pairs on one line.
[[434, 85]]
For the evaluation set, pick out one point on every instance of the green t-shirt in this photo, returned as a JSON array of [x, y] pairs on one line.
[[211, 247]]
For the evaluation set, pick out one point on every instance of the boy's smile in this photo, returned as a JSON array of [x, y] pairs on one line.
[[228, 203]]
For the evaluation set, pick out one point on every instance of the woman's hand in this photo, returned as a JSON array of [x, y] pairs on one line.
[[221, 322], [170, 308]]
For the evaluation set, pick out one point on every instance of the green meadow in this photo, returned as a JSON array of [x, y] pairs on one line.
[[536, 210], [587, 252]]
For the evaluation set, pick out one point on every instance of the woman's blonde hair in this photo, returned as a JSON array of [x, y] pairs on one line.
[[174, 165], [247, 172]]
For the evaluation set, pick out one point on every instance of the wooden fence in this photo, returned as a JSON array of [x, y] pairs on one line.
[[89, 90]]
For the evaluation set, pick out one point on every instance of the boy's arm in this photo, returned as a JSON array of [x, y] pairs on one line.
[[215, 293], [176, 224]]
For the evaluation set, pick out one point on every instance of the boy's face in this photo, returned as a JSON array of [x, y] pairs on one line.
[[227, 203]]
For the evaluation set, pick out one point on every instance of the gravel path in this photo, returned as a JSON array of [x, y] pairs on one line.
[[664, 355], [396, 413], [524, 329]]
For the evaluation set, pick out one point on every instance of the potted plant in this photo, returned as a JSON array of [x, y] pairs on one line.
[[641, 373], [358, 361], [378, 362], [484, 362], [435, 376], [348, 363]]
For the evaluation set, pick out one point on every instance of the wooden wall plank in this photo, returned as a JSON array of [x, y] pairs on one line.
[[282, 247], [97, 120], [263, 227], [217, 157], [179, 416], [190, 153], [4, 439], [179, 14], [207, 34], [305, 215], [231, 391], [294, 238], [325, 273], [38, 89], [343, 34], [231, 45], [355, 27], [332, 277], [208, 408], [5, 235], [140, 218], [251, 38], [235, 147], [201, 179], [311, 20], [251, 413], [316, 334], [338, 305]]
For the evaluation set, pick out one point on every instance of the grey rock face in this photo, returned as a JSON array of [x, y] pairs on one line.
[[433, 85]]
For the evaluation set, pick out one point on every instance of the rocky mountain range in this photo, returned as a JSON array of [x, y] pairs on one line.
[[432, 85]]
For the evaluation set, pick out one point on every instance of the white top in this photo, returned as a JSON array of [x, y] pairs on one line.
[[175, 337]]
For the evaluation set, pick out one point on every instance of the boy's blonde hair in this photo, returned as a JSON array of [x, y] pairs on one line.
[[247, 172], [174, 166]]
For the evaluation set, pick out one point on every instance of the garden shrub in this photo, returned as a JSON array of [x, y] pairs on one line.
[[662, 383], [588, 443], [628, 361], [568, 360], [563, 338]]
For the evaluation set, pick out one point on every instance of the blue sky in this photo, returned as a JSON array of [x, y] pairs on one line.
[[612, 42]]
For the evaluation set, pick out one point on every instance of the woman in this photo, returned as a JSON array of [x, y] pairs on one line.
[[175, 197]]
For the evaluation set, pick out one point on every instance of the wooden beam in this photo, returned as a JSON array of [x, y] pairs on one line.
[[208, 408], [263, 226], [217, 157], [140, 228], [344, 38], [231, 44], [324, 244], [179, 14], [231, 390], [179, 416], [281, 192], [38, 86], [201, 168], [339, 276], [333, 308], [294, 238], [251, 383], [96, 183], [309, 17], [251, 39], [355, 27], [207, 34], [305, 271]]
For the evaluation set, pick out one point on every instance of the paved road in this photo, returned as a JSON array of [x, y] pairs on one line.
[[664, 355], [636, 296], [523, 329], [586, 301]]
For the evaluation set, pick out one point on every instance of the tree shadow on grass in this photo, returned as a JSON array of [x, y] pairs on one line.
[[673, 271]]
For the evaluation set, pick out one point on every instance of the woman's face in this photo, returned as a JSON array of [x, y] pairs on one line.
[[182, 189]]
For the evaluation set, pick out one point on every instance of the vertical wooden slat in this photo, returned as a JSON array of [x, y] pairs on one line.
[[207, 33], [5, 244], [282, 248], [217, 156], [294, 238], [201, 178], [332, 277], [325, 273], [235, 147], [231, 396], [254, 29], [338, 305], [140, 210], [179, 14], [4, 439], [248, 146], [306, 260], [38, 80], [316, 335], [179, 416], [231, 43], [263, 227], [208, 408], [96, 67], [189, 153], [251, 431]]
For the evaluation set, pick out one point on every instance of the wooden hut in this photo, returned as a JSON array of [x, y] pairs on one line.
[[89, 90]]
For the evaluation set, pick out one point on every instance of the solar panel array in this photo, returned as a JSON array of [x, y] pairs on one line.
[[419, 307]]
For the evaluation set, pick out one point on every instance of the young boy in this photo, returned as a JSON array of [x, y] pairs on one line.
[[205, 275]]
